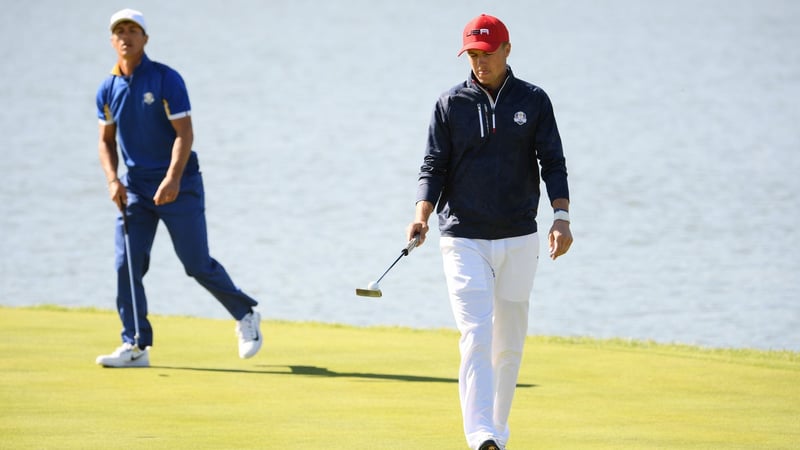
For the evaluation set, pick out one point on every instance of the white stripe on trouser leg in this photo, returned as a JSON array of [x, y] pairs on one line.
[[489, 285]]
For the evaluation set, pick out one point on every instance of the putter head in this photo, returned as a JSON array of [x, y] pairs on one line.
[[369, 292]]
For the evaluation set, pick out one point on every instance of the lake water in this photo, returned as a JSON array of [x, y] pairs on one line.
[[679, 121]]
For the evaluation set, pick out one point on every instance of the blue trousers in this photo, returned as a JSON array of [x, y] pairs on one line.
[[186, 223]]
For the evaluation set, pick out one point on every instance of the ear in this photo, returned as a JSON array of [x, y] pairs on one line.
[[508, 49]]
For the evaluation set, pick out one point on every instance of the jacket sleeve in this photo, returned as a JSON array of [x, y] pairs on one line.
[[433, 171], [550, 152]]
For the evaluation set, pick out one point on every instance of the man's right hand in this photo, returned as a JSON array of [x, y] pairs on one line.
[[118, 193], [420, 224], [417, 228]]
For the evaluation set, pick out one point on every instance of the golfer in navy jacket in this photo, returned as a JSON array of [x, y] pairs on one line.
[[491, 140], [143, 107]]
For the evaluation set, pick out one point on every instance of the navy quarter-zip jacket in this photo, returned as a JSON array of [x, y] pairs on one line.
[[483, 157]]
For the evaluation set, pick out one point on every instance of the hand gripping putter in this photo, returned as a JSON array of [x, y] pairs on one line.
[[372, 289]]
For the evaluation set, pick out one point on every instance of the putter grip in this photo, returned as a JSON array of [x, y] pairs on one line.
[[411, 244]]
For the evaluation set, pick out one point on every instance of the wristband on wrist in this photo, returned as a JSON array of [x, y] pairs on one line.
[[113, 181], [561, 214]]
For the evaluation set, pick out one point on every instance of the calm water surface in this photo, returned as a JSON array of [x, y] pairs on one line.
[[679, 121]]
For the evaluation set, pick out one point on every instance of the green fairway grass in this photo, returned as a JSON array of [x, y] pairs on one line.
[[319, 386]]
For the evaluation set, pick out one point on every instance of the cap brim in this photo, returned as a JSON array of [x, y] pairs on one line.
[[117, 22], [479, 45]]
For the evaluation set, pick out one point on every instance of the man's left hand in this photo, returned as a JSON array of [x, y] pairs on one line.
[[167, 192]]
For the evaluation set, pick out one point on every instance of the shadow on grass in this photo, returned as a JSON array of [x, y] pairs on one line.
[[323, 372]]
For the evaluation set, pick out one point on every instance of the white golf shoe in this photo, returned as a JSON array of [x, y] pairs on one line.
[[126, 355], [249, 332]]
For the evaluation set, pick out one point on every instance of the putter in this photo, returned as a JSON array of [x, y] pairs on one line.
[[373, 290], [130, 275]]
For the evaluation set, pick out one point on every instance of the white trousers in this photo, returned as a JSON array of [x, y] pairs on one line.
[[489, 284]]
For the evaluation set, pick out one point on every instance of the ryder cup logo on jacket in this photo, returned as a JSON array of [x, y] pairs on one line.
[[149, 98], [520, 118]]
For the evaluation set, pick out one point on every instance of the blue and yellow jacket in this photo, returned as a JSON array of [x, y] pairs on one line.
[[142, 106]]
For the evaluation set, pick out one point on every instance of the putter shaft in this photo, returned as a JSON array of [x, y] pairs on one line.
[[377, 292]]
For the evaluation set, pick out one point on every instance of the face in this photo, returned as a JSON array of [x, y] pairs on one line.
[[128, 39], [490, 68]]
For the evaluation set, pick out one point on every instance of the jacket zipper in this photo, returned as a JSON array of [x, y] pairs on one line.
[[483, 113]]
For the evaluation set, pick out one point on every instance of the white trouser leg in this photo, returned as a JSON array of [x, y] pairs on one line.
[[470, 283], [510, 329], [512, 303], [489, 284]]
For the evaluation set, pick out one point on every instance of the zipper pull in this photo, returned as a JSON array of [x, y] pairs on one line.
[[480, 120], [486, 114]]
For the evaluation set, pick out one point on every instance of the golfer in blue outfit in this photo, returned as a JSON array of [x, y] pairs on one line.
[[144, 108]]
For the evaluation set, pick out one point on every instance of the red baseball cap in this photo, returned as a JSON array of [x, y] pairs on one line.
[[485, 33]]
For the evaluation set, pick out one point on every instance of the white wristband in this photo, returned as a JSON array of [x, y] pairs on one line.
[[561, 214]]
